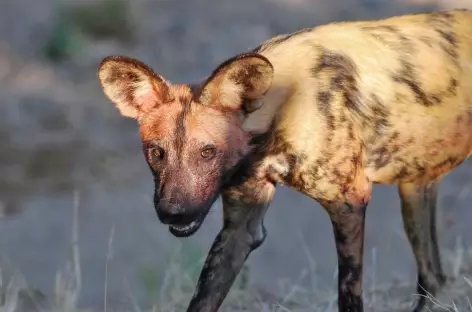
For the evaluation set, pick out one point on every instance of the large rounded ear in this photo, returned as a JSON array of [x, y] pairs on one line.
[[131, 85], [244, 77]]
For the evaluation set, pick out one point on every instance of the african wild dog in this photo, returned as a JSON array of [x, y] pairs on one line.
[[327, 111]]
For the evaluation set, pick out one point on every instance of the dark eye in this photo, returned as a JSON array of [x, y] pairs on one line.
[[208, 152], [157, 153]]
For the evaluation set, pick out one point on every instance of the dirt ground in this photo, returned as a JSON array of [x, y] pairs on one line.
[[59, 134]]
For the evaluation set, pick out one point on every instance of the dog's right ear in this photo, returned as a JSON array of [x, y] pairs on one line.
[[132, 86], [243, 77]]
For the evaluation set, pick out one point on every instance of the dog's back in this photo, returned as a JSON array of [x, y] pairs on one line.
[[402, 86]]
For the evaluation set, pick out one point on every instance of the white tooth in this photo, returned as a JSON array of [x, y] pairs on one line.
[[184, 228]]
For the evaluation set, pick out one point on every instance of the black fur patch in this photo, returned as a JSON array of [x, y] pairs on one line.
[[180, 131], [407, 73], [245, 168], [350, 273], [408, 77], [394, 38], [401, 173], [443, 24], [381, 115], [390, 36], [324, 102], [382, 33], [343, 74]]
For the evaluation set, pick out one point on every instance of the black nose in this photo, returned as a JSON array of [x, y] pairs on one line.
[[171, 211], [170, 215]]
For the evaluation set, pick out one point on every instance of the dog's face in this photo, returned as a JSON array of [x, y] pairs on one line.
[[191, 135]]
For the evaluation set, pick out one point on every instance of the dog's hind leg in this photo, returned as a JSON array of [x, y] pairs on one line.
[[419, 219], [243, 231]]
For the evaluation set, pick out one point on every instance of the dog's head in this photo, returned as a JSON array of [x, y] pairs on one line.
[[192, 136]]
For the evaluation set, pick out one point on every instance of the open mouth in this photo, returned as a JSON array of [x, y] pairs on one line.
[[185, 230]]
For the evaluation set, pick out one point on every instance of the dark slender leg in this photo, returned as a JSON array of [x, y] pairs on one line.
[[419, 218], [243, 231], [348, 225]]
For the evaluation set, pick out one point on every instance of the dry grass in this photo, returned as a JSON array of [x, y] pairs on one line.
[[177, 284]]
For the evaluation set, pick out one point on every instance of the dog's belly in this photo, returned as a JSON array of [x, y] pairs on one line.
[[419, 156]]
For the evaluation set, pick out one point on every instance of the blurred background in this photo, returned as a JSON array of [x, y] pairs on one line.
[[78, 231]]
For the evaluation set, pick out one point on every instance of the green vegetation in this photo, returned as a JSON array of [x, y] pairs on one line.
[[100, 19]]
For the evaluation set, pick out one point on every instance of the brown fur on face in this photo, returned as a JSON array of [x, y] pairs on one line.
[[192, 136]]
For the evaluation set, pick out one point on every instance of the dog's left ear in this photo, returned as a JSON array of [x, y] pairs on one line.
[[132, 85], [246, 77]]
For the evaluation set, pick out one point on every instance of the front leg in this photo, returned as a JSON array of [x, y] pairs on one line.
[[348, 222], [243, 231]]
